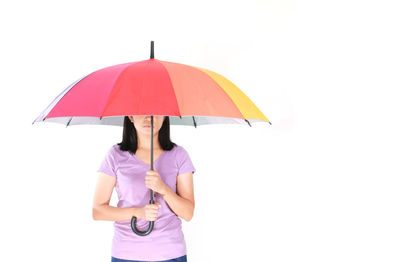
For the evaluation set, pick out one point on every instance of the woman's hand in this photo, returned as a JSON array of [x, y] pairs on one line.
[[149, 212], [154, 181]]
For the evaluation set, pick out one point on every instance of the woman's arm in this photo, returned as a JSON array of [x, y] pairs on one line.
[[181, 203], [101, 208]]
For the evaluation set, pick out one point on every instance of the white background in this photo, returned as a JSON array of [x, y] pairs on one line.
[[320, 184]]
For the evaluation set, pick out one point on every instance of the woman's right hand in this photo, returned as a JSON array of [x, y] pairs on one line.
[[149, 212]]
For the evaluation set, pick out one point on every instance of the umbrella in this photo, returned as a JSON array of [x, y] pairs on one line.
[[188, 95]]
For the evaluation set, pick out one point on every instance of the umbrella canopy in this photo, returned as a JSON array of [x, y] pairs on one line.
[[188, 95]]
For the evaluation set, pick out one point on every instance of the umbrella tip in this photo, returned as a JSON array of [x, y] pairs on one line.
[[152, 50]]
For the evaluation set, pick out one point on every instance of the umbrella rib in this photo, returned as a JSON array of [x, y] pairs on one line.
[[248, 122], [194, 122], [69, 121]]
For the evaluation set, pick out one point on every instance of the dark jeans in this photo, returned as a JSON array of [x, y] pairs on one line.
[[178, 259]]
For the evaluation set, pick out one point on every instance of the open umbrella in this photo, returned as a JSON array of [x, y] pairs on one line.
[[188, 95]]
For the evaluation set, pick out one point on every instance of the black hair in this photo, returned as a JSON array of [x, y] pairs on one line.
[[129, 136]]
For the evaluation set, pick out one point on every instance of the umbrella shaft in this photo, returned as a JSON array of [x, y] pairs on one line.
[[151, 160]]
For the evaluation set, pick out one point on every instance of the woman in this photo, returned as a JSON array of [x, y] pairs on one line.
[[126, 167]]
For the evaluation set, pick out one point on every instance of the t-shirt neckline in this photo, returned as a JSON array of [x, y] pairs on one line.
[[154, 162]]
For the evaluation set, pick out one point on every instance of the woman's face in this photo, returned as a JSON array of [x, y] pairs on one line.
[[143, 124]]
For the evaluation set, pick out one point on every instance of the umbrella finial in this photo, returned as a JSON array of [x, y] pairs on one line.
[[152, 50]]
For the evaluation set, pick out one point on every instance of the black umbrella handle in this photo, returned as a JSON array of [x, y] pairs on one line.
[[149, 229], [133, 220]]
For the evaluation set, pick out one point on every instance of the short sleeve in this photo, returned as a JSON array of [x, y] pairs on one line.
[[107, 166], [185, 164]]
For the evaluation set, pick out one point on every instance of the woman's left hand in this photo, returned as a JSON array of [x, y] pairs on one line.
[[153, 181]]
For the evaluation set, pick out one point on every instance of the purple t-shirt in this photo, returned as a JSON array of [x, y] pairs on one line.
[[166, 241]]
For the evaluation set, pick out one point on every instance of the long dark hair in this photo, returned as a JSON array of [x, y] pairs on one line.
[[129, 136]]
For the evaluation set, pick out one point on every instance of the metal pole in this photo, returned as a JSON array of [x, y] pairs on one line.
[[133, 220]]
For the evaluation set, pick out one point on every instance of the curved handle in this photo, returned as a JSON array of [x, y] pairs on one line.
[[149, 229], [133, 220]]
